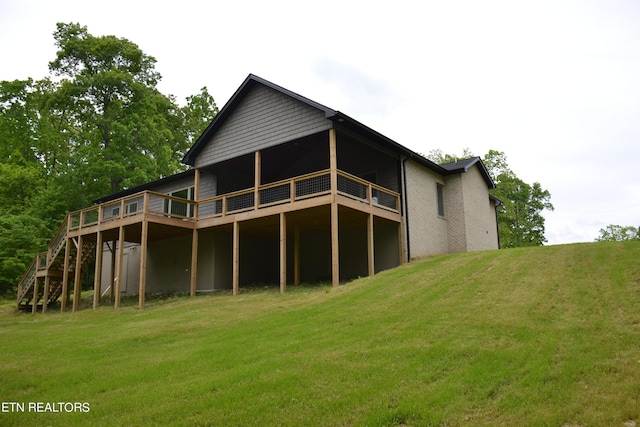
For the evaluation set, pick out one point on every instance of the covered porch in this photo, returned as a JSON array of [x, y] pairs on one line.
[[278, 216]]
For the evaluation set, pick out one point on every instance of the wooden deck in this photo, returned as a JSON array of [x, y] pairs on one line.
[[88, 228]]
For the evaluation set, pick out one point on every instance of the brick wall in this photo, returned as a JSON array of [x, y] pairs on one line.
[[455, 213], [480, 217], [427, 231]]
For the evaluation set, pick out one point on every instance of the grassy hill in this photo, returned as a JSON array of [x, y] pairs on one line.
[[537, 336]]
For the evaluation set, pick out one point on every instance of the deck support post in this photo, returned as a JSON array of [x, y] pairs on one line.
[[112, 283], [236, 257], [118, 280], [97, 279], [333, 170], [335, 253], [402, 258], [45, 297], [194, 237], [370, 246], [283, 252], [194, 263], [65, 277], [296, 256], [77, 285], [256, 184], [144, 237], [196, 185], [34, 301]]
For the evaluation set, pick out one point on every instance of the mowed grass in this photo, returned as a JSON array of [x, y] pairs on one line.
[[544, 336]]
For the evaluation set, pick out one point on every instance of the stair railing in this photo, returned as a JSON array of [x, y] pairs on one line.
[[28, 279], [58, 241]]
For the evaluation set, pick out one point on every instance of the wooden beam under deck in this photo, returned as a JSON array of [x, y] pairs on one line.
[[370, 246], [194, 263], [118, 280], [97, 279], [265, 212], [143, 264], [45, 297], [77, 285], [114, 225], [236, 258], [65, 276], [283, 252]]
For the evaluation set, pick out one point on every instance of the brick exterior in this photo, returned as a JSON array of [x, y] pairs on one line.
[[469, 221], [427, 231], [479, 211], [454, 213]]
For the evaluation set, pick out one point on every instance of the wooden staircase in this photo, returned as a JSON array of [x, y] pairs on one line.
[[50, 264]]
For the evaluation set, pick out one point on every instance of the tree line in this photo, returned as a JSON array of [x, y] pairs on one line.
[[95, 125]]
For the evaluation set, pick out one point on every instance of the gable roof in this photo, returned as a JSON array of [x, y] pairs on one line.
[[465, 164], [339, 120], [232, 104]]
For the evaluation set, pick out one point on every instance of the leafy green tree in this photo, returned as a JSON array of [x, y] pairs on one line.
[[97, 126], [618, 233], [520, 220], [121, 124], [200, 110]]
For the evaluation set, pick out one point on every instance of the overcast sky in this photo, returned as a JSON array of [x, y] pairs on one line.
[[553, 84]]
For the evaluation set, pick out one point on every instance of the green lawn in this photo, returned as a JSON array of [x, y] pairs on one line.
[[544, 336]]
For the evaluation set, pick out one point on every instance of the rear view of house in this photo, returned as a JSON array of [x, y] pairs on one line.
[[281, 190]]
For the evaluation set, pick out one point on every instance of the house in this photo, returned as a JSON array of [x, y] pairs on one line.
[[281, 190]]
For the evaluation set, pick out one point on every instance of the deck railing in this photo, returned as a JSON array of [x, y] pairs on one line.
[[25, 283], [276, 193], [281, 192], [367, 192], [137, 204], [58, 240]]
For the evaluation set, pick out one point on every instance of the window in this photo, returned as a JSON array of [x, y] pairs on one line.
[[131, 208], [440, 192], [175, 207], [115, 211]]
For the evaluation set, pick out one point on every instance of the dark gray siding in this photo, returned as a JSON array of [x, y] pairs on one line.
[[264, 118], [208, 186]]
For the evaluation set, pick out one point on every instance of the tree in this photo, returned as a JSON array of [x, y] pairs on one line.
[[520, 220], [97, 126], [200, 110], [122, 132], [618, 233]]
